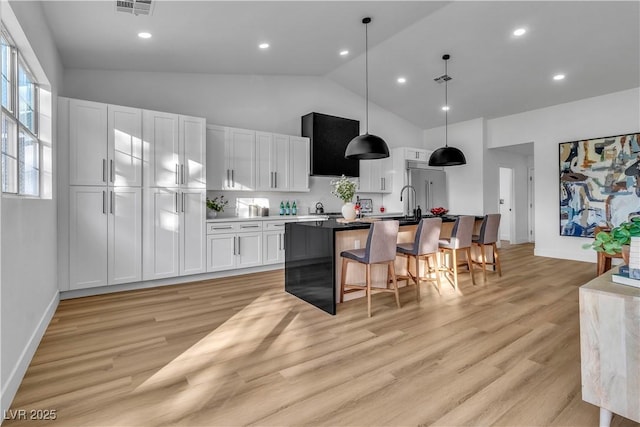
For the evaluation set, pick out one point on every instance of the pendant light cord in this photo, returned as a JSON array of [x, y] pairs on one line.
[[366, 75], [446, 106]]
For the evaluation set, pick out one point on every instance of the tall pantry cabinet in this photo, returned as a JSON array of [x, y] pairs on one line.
[[104, 193], [132, 192], [174, 195]]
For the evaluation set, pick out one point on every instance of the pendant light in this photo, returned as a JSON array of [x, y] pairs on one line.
[[367, 146], [446, 156]]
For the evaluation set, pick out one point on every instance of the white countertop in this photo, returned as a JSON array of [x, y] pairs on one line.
[[286, 218]]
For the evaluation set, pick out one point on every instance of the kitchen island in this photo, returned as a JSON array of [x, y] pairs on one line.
[[312, 258]]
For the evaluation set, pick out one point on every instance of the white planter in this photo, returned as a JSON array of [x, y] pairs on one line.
[[349, 211], [211, 214]]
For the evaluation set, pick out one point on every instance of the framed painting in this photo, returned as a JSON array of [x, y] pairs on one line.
[[599, 183]]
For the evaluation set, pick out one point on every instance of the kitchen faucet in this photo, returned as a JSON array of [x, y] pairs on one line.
[[414, 197]]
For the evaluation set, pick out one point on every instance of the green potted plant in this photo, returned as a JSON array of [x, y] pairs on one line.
[[616, 240], [215, 205], [344, 189]]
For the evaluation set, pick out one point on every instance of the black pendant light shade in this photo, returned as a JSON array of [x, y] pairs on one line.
[[367, 146], [446, 156]]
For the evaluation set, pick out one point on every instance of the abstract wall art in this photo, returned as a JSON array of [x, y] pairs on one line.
[[599, 183]]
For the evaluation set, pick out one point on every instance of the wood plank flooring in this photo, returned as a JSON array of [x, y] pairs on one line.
[[240, 351]]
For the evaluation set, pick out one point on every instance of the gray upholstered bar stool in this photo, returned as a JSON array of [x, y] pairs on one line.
[[380, 249], [460, 240], [425, 245], [488, 236]]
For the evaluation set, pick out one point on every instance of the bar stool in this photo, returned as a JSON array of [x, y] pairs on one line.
[[425, 245], [380, 249], [460, 240], [488, 236]]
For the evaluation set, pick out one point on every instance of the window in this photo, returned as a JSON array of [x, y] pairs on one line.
[[21, 148]]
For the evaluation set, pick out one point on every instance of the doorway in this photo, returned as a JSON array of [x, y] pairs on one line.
[[506, 204]]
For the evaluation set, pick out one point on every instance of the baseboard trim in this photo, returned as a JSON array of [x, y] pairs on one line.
[[12, 384], [79, 293], [579, 255]]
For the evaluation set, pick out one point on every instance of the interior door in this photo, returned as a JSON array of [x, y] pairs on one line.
[[506, 203]]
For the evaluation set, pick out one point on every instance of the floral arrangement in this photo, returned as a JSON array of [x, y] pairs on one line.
[[343, 188], [217, 204], [439, 211]]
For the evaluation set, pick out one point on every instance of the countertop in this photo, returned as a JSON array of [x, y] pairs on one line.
[[332, 224], [286, 218]]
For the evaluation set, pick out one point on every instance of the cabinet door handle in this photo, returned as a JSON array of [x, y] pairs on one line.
[[177, 177], [221, 228], [226, 184], [284, 243], [182, 173], [238, 245], [113, 201], [183, 201], [177, 210], [233, 181], [111, 170], [272, 181], [104, 170], [234, 245], [249, 226], [104, 202], [275, 178]]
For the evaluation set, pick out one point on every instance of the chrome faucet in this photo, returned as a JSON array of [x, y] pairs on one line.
[[414, 197]]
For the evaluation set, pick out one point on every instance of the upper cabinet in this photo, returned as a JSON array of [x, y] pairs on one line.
[[246, 160], [416, 154], [376, 176], [174, 150], [283, 162], [105, 144]]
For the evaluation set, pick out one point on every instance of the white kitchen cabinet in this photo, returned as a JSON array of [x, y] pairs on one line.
[[240, 160], [124, 146], [272, 164], [376, 176], [88, 237], [125, 235], [417, 154], [105, 144], [105, 236], [273, 242], [174, 150], [299, 165], [216, 157], [192, 231], [174, 233], [233, 245]]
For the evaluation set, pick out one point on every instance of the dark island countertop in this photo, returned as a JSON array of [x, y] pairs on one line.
[[333, 224]]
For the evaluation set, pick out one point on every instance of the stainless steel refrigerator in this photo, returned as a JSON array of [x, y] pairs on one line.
[[430, 185]]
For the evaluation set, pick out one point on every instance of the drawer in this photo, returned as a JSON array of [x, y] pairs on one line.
[[274, 225], [233, 227]]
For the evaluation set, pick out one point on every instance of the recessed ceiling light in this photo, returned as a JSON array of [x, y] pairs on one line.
[[402, 80], [559, 77], [144, 35], [445, 108], [344, 52], [519, 32], [263, 45]]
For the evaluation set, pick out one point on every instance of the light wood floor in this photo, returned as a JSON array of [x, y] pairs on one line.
[[241, 351]]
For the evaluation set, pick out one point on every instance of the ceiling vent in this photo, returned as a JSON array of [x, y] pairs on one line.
[[443, 78], [135, 7]]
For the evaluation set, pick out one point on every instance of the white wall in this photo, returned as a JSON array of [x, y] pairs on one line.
[[266, 103], [611, 114], [29, 263], [464, 183]]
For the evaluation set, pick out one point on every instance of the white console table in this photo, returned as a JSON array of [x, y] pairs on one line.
[[610, 347]]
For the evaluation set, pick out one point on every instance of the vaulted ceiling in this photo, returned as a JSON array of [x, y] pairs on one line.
[[596, 44]]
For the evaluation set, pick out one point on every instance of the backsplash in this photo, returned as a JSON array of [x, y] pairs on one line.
[[320, 191]]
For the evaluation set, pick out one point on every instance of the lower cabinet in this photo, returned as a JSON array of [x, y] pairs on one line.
[[273, 243], [234, 245], [105, 236], [174, 232]]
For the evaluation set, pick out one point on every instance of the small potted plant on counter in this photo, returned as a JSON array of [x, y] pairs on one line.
[[344, 189], [216, 205]]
